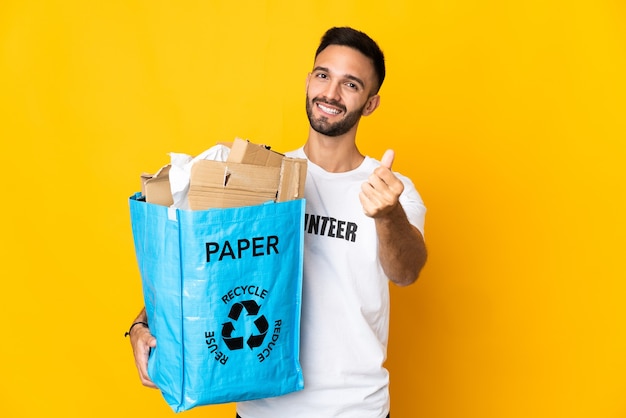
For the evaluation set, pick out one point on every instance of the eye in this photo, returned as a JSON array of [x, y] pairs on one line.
[[351, 85], [321, 75]]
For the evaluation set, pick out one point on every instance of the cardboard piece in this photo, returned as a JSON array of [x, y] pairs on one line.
[[215, 184], [252, 175], [156, 187], [292, 177], [245, 152]]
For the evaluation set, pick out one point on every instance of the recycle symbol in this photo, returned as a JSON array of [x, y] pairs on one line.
[[254, 340]]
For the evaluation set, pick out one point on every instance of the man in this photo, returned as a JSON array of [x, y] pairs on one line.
[[345, 308]]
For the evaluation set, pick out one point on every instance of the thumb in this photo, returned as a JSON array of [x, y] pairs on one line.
[[387, 159]]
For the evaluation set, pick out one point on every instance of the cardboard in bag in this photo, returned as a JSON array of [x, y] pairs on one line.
[[291, 181], [252, 174], [216, 184], [156, 187], [245, 152]]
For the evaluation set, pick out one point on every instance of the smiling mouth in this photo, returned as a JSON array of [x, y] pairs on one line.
[[328, 110]]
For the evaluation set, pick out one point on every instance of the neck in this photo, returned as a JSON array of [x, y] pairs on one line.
[[334, 154]]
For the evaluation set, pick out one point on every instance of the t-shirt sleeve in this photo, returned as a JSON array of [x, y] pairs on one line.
[[412, 204]]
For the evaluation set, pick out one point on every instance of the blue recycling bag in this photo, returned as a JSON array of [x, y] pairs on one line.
[[222, 290]]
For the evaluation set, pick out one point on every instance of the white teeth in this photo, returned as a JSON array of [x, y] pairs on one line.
[[328, 109]]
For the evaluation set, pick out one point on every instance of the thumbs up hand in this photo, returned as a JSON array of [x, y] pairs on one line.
[[380, 194], [388, 158]]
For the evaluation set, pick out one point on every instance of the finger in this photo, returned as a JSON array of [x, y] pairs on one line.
[[142, 366], [365, 203], [388, 158], [145, 380], [143, 343]]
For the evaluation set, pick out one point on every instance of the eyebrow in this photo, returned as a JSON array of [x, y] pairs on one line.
[[348, 76]]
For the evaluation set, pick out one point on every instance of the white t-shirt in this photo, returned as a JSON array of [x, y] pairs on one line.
[[345, 307]]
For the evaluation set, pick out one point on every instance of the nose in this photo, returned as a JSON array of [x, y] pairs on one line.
[[332, 91]]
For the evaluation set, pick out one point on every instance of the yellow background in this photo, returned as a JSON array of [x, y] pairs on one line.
[[508, 115]]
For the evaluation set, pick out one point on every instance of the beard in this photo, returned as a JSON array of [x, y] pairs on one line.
[[323, 126]]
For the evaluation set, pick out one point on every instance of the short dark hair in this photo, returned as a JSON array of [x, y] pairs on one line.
[[346, 36]]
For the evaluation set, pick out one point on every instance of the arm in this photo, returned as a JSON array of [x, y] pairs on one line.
[[142, 341], [401, 246]]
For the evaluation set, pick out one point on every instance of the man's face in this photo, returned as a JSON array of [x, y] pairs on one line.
[[339, 89]]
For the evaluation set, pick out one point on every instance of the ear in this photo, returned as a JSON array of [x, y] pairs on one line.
[[306, 86], [371, 105]]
